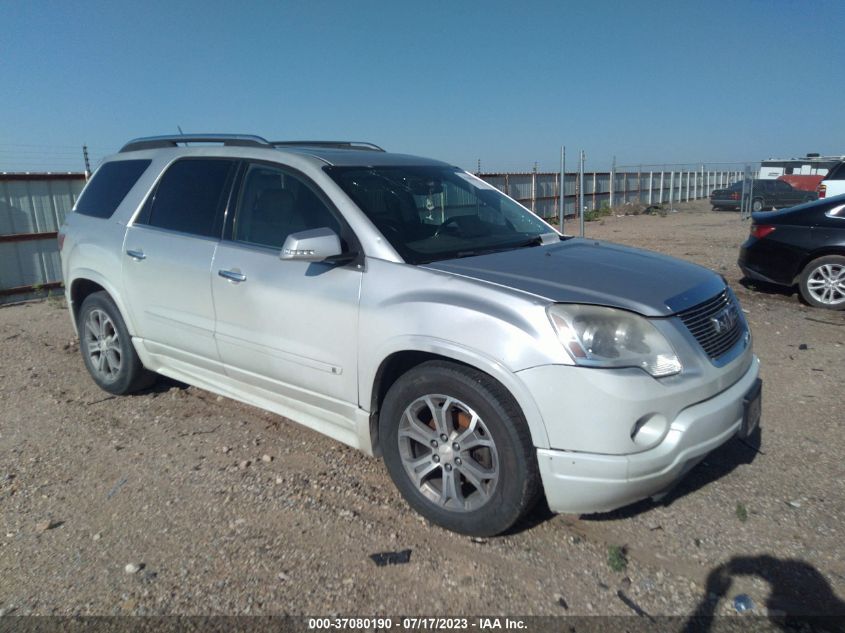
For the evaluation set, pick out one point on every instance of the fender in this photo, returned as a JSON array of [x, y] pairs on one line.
[[463, 354]]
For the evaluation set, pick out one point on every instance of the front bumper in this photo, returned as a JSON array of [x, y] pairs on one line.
[[582, 483]]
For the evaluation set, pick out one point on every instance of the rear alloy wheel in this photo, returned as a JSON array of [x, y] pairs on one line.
[[458, 449], [822, 282], [107, 348]]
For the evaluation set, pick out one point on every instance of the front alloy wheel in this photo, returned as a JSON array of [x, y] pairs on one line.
[[448, 452], [458, 448]]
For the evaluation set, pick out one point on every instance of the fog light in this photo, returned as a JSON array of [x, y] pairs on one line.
[[649, 430]]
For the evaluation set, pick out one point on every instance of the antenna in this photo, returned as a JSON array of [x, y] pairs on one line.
[[179, 127]]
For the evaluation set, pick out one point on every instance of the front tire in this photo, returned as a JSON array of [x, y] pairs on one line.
[[458, 448], [107, 349], [822, 282], [756, 204]]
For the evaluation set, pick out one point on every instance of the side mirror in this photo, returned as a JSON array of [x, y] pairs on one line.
[[313, 245]]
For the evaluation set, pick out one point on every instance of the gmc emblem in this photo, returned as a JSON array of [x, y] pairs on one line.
[[725, 320]]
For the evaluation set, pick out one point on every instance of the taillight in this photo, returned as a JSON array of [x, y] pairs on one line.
[[761, 230], [822, 189], [60, 238], [735, 195]]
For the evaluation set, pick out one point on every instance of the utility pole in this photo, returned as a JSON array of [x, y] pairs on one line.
[[87, 162]]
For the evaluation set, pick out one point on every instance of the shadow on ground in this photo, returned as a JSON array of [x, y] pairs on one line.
[[764, 287], [796, 590]]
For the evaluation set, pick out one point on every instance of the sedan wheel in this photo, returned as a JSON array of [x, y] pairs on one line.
[[823, 282]]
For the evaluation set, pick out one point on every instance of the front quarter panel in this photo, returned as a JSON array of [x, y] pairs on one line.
[[406, 308]]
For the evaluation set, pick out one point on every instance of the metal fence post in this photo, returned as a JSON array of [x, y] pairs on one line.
[[650, 186], [581, 192], [660, 200], [562, 183], [612, 185], [671, 188]]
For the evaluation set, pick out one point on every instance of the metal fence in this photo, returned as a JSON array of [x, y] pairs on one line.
[[540, 191], [32, 208]]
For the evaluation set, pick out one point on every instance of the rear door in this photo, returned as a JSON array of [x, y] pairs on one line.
[[288, 327], [167, 257]]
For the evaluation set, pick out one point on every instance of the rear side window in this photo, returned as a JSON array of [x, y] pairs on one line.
[[837, 173], [109, 187], [190, 197]]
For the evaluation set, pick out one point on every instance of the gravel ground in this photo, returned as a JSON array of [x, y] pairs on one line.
[[176, 501]]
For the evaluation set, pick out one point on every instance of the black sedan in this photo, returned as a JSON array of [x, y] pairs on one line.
[[765, 194], [803, 245]]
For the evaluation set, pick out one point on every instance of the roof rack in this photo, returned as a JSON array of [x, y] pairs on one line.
[[362, 145], [156, 142]]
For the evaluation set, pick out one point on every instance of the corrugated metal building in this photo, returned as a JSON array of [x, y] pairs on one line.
[[32, 208]]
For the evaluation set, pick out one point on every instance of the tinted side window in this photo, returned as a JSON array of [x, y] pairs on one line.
[[274, 203], [782, 186], [190, 196], [837, 173], [109, 187]]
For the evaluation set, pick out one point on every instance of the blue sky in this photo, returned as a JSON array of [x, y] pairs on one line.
[[504, 82]]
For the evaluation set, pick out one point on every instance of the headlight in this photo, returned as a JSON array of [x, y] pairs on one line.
[[605, 337]]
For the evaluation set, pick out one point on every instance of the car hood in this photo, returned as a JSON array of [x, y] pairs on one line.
[[594, 272]]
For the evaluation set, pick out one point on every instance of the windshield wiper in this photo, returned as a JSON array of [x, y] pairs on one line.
[[537, 240]]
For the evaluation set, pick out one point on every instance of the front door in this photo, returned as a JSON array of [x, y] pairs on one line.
[[286, 327]]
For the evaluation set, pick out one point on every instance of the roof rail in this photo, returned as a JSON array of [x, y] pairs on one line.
[[155, 142], [362, 145]]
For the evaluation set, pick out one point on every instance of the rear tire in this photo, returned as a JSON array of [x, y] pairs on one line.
[[458, 448], [757, 204], [822, 282], [107, 349]]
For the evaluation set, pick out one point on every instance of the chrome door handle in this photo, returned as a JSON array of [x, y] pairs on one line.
[[231, 275], [136, 255]]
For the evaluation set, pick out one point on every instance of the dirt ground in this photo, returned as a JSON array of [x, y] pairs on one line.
[[175, 481]]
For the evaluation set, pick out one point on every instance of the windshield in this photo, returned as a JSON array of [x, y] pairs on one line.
[[434, 213]]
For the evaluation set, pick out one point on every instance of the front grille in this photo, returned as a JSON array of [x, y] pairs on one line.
[[701, 320]]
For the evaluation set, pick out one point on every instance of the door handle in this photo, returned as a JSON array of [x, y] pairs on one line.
[[231, 275], [136, 255]]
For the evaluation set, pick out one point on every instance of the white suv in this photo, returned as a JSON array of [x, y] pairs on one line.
[[834, 183], [407, 308]]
